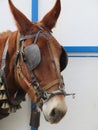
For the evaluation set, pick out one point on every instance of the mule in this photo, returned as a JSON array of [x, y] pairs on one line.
[[31, 62]]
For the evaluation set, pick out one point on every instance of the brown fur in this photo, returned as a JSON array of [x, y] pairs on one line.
[[45, 72], [49, 20]]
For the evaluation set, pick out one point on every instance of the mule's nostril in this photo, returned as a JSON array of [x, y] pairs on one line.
[[53, 112]]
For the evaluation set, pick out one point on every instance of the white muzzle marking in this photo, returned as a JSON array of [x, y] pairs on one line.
[[54, 109]]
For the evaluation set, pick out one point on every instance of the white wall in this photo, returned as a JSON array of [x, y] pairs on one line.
[[78, 22], [20, 119], [77, 25], [6, 18]]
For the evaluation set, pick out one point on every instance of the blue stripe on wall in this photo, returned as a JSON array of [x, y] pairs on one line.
[[34, 13], [82, 49], [34, 10]]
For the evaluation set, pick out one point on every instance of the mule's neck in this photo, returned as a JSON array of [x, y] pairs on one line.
[[12, 85]]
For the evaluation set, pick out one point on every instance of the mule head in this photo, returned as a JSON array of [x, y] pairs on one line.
[[43, 50]]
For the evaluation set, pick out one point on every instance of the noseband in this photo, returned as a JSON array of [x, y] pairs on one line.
[[31, 57]]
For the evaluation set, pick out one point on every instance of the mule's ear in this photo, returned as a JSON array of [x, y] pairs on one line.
[[23, 24], [50, 19]]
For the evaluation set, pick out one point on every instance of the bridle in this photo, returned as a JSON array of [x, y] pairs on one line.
[[41, 94]]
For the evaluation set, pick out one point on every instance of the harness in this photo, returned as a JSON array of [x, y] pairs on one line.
[[6, 106], [31, 60], [32, 57]]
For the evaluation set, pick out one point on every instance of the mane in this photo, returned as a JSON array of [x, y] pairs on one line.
[[3, 38]]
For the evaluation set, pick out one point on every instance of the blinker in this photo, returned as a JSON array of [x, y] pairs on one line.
[[63, 60], [32, 56]]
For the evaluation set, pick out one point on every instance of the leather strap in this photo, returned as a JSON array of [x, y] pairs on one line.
[[50, 85], [4, 55]]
